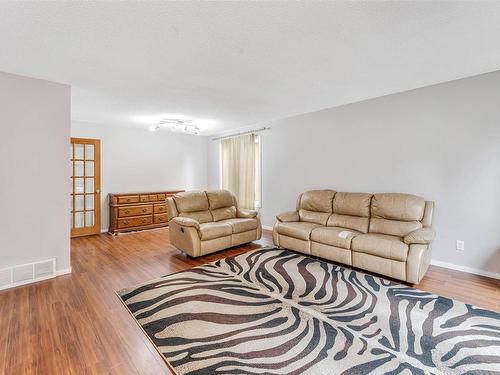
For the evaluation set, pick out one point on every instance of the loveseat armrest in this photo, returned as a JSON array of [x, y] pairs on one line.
[[246, 214], [286, 217], [186, 222], [422, 236]]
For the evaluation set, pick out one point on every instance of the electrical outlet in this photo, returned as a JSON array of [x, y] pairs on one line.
[[460, 245]]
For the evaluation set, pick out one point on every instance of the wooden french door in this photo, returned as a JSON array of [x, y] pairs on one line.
[[85, 186]]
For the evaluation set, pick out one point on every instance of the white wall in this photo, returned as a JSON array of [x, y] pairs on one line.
[[134, 159], [441, 142], [34, 171]]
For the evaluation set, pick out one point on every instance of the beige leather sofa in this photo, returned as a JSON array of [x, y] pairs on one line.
[[202, 222], [389, 234]]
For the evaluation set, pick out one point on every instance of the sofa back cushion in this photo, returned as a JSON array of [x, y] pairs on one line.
[[222, 204], [315, 206], [224, 213], [351, 210], [200, 216], [396, 214], [194, 205]]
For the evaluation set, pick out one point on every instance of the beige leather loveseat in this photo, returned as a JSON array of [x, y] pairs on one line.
[[389, 234], [202, 222]]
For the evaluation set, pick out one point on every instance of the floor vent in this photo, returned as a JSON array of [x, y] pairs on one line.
[[27, 273], [44, 269], [22, 273], [5, 277]]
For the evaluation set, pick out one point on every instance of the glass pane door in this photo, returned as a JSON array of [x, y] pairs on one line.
[[85, 186]]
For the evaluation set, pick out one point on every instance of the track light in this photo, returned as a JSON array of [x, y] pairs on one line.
[[177, 125]]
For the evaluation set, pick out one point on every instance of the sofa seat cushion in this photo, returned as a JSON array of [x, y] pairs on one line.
[[335, 236], [381, 245], [241, 225], [209, 231], [300, 230]]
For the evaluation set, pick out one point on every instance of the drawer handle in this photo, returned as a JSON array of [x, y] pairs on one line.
[[144, 210], [143, 220], [127, 211], [126, 222]]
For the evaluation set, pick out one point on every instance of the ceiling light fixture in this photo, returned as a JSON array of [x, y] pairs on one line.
[[177, 125]]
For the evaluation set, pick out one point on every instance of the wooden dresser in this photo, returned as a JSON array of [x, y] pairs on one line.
[[138, 211]]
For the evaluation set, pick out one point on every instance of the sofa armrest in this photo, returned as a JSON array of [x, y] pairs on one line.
[[186, 222], [286, 217], [422, 236], [246, 214]]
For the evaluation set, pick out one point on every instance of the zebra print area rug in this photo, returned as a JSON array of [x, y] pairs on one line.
[[272, 311]]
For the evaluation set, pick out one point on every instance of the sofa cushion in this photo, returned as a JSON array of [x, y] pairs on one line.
[[351, 222], [317, 200], [351, 210], [335, 236], [300, 230], [315, 206], [381, 245], [190, 201], [220, 199], [199, 216], [393, 227], [224, 213], [396, 214], [240, 225], [395, 206], [352, 204], [209, 231]]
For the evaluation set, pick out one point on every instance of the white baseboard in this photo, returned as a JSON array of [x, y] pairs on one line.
[[63, 271], [456, 267], [21, 283]]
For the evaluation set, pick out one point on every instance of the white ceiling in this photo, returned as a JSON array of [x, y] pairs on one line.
[[242, 63]]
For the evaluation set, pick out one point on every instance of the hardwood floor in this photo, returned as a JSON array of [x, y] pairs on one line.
[[75, 324]]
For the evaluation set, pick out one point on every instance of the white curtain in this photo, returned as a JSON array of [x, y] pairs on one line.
[[238, 168]]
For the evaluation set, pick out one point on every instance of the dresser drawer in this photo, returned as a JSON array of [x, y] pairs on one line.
[[135, 221], [153, 197], [162, 197], [161, 218], [128, 199], [160, 208], [135, 210], [144, 198]]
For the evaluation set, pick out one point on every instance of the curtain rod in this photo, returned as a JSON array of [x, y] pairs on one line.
[[242, 133]]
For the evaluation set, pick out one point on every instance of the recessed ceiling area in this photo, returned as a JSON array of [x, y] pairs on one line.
[[234, 64]]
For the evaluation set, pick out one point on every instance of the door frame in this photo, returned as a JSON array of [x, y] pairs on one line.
[[96, 229]]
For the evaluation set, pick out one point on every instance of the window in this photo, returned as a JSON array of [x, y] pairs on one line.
[[240, 166]]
